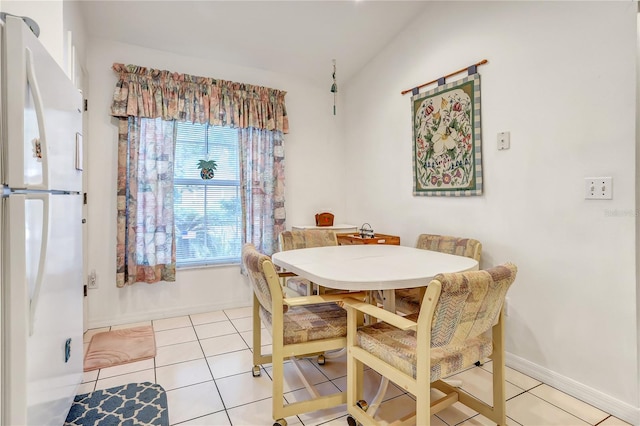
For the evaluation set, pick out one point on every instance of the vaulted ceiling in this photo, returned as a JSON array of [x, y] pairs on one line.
[[293, 37]]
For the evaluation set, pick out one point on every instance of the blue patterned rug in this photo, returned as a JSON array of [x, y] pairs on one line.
[[132, 404]]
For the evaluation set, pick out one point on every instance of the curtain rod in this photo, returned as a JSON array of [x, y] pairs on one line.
[[482, 62]]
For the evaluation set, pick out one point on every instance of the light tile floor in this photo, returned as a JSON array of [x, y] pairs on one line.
[[204, 363]]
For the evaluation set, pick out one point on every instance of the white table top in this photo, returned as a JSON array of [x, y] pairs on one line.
[[370, 267], [338, 228]]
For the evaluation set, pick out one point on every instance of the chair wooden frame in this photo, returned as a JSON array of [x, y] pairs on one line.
[[282, 352], [420, 385]]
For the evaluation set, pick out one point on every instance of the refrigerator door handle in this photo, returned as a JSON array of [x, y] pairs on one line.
[[43, 257], [37, 100]]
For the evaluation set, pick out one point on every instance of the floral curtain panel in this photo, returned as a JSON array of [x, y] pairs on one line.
[[146, 250], [148, 102], [262, 173], [151, 93]]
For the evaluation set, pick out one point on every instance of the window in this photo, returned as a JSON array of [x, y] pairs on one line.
[[208, 213]]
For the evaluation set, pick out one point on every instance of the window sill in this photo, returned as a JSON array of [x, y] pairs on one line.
[[207, 265]]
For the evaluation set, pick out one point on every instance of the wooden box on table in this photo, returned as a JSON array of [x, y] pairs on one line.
[[351, 239]]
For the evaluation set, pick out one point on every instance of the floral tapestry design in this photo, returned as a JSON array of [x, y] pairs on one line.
[[446, 140]]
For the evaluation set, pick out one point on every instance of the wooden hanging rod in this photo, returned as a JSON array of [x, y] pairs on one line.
[[404, 92]]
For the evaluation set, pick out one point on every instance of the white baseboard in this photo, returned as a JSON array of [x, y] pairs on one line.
[[604, 402], [167, 313]]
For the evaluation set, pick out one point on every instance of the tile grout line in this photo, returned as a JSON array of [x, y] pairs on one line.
[[568, 412], [93, 383], [224, 406]]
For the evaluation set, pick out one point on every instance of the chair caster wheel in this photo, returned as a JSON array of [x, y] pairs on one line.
[[363, 405], [351, 421], [322, 360], [256, 371], [280, 422]]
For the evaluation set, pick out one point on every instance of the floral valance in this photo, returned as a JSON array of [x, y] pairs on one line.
[[150, 93]]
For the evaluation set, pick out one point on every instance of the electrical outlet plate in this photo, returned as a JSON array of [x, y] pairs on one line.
[[93, 280], [504, 140], [598, 188]]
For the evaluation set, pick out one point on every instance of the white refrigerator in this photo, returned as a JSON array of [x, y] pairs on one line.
[[41, 233]]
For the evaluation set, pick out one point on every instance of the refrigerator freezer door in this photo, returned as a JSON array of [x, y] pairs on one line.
[[43, 277], [43, 116]]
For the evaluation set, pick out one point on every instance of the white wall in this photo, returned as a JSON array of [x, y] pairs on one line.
[[73, 27], [55, 18], [48, 15], [311, 149], [561, 78]]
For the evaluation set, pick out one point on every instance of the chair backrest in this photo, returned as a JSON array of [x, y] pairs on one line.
[[469, 303], [307, 238], [261, 271], [467, 247]]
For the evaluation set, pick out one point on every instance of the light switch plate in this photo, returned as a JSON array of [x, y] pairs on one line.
[[598, 188]]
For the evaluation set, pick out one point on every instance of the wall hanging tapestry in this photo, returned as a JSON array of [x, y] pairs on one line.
[[447, 154]]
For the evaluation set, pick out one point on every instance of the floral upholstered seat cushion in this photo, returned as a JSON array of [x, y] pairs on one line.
[[310, 322], [299, 285], [308, 238], [468, 307], [398, 348], [254, 263], [293, 240], [408, 300], [467, 247]]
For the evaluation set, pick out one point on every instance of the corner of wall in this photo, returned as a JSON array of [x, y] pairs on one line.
[[637, 191]]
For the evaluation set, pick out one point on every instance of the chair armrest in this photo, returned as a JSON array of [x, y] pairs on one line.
[[322, 298], [389, 317]]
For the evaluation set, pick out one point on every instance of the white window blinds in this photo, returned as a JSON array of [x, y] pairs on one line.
[[208, 213]]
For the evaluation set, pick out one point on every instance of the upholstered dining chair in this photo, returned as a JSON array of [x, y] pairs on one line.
[[408, 299], [306, 238], [460, 322], [299, 326]]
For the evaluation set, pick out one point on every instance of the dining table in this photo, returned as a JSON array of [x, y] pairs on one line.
[[383, 268]]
